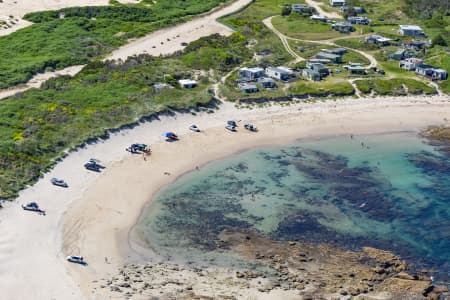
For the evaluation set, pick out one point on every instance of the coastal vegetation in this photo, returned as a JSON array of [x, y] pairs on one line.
[[74, 36], [38, 125]]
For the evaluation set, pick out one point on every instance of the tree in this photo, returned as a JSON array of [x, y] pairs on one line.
[[286, 11], [439, 40]]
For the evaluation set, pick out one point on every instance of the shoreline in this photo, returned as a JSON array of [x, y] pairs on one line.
[[94, 215]]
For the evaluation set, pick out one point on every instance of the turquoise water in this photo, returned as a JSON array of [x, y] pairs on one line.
[[389, 191]]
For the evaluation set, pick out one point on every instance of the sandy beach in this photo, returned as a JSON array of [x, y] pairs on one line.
[[94, 215]]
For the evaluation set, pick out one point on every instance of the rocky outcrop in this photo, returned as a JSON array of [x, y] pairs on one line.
[[294, 269]]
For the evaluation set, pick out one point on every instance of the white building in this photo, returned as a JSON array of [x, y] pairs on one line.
[[280, 73], [187, 83], [411, 30], [337, 2]]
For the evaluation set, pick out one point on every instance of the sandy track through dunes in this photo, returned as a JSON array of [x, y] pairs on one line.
[[168, 40]]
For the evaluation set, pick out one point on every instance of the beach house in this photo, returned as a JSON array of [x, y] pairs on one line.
[[311, 75], [355, 69], [337, 51], [359, 20], [337, 3], [334, 58], [343, 27], [431, 72], [251, 74], [280, 73], [410, 64], [187, 83], [318, 67], [247, 87], [319, 18], [267, 83], [378, 40], [401, 54], [302, 8], [411, 30]]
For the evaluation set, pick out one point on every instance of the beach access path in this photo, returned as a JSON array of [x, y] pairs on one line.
[[94, 215]]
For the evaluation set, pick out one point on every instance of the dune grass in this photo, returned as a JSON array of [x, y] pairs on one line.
[[84, 34]]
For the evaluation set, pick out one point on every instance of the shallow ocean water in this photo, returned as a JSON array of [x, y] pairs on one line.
[[390, 191]]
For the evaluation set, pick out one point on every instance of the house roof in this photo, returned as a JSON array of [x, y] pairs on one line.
[[245, 86], [266, 79], [187, 81], [328, 55], [252, 70], [311, 72], [410, 27], [342, 24], [300, 6], [280, 69], [440, 71]]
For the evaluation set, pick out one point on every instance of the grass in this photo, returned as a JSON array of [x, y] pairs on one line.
[[302, 27], [84, 34], [321, 89], [394, 86]]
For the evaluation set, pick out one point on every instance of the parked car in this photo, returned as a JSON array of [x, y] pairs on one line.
[[33, 206], [59, 182], [184, 44], [382, 72], [76, 259], [231, 128], [194, 128], [92, 166], [232, 123], [250, 127]]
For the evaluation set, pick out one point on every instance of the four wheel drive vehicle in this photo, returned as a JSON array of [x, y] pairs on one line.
[[92, 166], [194, 128], [184, 44], [138, 148], [59, 182], [33, 206], [170, 136], [231, 128], [232, 123], [250, 127], [382, 72], [76, 259]]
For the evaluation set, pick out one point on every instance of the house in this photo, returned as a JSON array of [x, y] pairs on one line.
[[318, 60], [318, 67], [411, 30], [359, 20], [424, 70], [334, 58], [337, 51], [439, 74], [267, 83], [410, 64], [319, 18], [431, 72], [415, 45], [302, 8], [280, 73], [378, 40], [248, 87], [337, 2], [311, 75], [356, 9], [401, 54], [343, 27], [355, 69], [187, 83], [250, 74]]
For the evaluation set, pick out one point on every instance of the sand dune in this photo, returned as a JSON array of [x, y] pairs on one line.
[[93, 216]]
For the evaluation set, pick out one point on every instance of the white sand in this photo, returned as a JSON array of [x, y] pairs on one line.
[[103, 207], [168, 40]]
